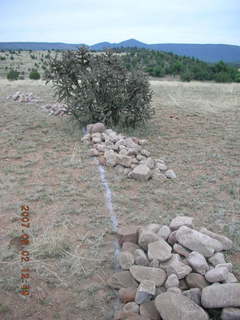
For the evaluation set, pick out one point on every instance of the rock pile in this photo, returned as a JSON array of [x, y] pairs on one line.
[[23, 97], [125, 154], [174, 273], [56, 109]]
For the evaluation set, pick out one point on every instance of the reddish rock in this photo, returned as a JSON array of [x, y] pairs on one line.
[[127, 294], [128, 234]]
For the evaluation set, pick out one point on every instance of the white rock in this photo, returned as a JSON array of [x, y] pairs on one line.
[[170, 174]]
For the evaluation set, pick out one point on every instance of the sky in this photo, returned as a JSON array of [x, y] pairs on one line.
[[93, 21]]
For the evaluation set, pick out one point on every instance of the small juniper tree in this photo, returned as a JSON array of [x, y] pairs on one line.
[[97, 87]]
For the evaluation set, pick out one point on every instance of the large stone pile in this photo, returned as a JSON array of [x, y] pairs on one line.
[[125, 154], [174, 273], [23, 97], [56, 109]]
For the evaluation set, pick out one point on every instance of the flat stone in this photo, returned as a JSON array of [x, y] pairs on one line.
[[197, 241], [181, 250], [128, 234], [196, 280], [131, 307], [140, 258], [141, 273], [172, 281], [145, 291], [126, 260], [181, 221], [226, 242], [221, 295], [159, 250], [198, 262], [141, 173], [230, 314], [148, 310], [127, 294], [164, 232], [172, 306], [217, 275], [122, 279], [146, 237], [217, 258]]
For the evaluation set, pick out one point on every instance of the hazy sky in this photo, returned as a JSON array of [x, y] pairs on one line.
[[92, 21]]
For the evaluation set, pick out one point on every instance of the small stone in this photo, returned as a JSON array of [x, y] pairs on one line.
[[217, 275], [161, 166], [170, 174], [150, 163], [127, 234], [227, 244], [159, 250], [140, 273], [145, 291], [142, 142], [148, 310], [172, 281], [146, 237], [221, 295], [140, 258], [145, 153], [194, 294], [180, 221], [122, 279], [198, 262], [230, 314], [164, 232], [217, 258], [127, 294], [141, 173], [180, 250], [131, 307], [126, 260], [196, 280]]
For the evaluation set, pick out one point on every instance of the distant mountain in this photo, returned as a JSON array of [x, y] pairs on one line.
[[205, 52]]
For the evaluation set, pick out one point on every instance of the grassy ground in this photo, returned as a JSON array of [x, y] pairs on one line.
[[44, 165]]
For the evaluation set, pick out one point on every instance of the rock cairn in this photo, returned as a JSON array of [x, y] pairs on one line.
[[55, 109], [126, 154], [174, 273], [23, 97]]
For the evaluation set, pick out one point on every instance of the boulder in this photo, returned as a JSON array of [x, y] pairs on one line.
[[196, 280], [141, 173], [175, 266], [172, 306], [197, 241], [227, 244], [217, 275], [127, 234], [159, 250], [221, 295], [122, 279], [141, 273], [146, 237], [181, 221], [111, 158], [198, 262]]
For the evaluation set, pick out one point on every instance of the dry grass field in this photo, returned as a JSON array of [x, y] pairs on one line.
[[196, 129]]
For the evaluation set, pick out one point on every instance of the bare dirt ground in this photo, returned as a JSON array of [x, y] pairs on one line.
[[196, 129]]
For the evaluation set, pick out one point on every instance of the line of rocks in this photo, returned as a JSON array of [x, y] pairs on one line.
[[174, 273], [126, 154], [55, 109], [23, 97]]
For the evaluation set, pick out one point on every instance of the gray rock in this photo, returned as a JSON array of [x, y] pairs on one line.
[[130, 247], [226, 242], [231, 278], [170, 174], [194, 294], [93, 152], [96, 127], [217, 258], [172, 281], [131, 307], [122, 279], [181, 221], [146, 237], [221, 296], [149, 311], [180, 250], [154, 263], [230, 314], [145, 153], [198, 262], [172, 238], [128, 234], [217, 275], [126, 260], [229, 266], [141, 273], [140, 258], [173, 306], [197, 241], [164, 232], [174, 290], [124, 160], [150, 163], [141, 173], [175, 266], [111, 158], [153, 227], [159, 250], [161, 166], [196, 280], [145, 291]]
